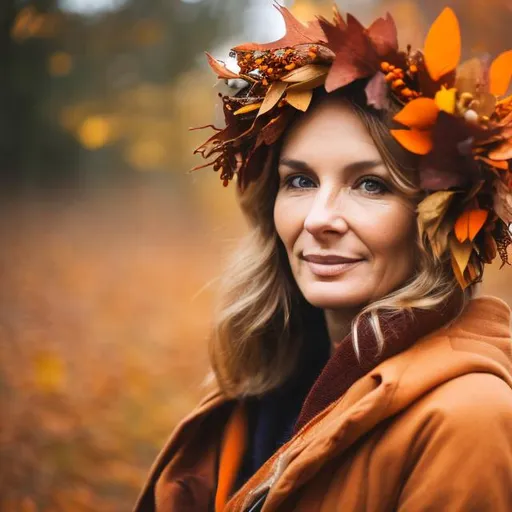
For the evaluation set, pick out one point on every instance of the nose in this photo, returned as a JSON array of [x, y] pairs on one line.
[[325, 215]]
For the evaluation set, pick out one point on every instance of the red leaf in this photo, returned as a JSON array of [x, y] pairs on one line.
[[383, 35], [377, 92], [355, 55], [451, 162]]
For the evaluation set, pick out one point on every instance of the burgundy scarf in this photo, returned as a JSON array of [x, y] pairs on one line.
[[343, 368]]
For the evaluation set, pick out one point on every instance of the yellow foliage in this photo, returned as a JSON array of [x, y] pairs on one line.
[[95, 132], [49, 372]]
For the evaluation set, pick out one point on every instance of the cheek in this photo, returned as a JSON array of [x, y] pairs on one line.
[[392, 232], [289, 216]]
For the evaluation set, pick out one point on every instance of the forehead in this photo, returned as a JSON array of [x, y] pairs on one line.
[[331, 130]]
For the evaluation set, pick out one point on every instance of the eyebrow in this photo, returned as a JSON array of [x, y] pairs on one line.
[[363, 165]]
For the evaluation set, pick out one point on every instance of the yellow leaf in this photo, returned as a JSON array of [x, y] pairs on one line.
[[299, 99], [442, 46], [274, 94], [247, 108], [461, 252], [431, 213], [500, 73], [435, 205], [439, 238], [445, 99]]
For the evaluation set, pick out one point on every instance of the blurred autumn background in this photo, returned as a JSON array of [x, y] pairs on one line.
[[108, 246]]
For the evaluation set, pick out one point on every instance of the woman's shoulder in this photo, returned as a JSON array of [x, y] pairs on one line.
[[470, 404]]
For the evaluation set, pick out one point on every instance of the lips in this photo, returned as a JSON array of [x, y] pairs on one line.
[[329, 259], [330, 265]]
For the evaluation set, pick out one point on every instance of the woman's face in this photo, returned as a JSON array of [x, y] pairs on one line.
[[348, 232]]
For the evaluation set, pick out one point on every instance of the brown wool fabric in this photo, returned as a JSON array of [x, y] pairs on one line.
[[343, 368]]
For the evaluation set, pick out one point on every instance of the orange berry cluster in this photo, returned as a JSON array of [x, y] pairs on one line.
[[396, 77], [272, 65]]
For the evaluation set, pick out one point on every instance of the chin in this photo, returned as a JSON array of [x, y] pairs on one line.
[[332, 295]]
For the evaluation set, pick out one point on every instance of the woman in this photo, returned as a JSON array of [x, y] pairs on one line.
[[356, 370]]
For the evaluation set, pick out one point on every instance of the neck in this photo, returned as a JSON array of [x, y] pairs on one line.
[[338, 322]]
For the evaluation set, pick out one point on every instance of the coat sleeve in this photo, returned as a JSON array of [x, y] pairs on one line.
[[463, 455]]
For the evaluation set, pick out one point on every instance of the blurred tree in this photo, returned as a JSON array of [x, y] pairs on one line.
[[51, 59]]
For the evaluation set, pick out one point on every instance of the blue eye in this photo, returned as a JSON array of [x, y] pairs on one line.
[[299, 182], [374, 186]]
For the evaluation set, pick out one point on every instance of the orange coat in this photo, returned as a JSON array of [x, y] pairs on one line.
[[429, 429]]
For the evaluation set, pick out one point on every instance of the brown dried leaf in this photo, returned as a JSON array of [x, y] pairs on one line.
[[271, 132], [306, 73], [309, 84], [220, 68], [472, 75], [502, 198], [490, 248], [274, 94], [296, 33]]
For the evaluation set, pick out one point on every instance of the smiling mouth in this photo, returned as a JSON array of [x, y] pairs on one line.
[[331, 269]]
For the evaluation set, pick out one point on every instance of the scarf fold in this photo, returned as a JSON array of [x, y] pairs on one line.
[[400, 331]]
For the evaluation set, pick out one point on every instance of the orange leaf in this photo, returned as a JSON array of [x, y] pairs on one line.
[[420, 113], [220, 69], [442, 45], [416, 141], [500, 73], [503, 152], [469, 224], [499, 164]]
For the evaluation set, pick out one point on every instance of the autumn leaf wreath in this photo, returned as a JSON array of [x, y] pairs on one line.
[[456, 117]]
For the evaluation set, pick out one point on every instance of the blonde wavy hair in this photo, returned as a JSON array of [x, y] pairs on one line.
[[261, 316]]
